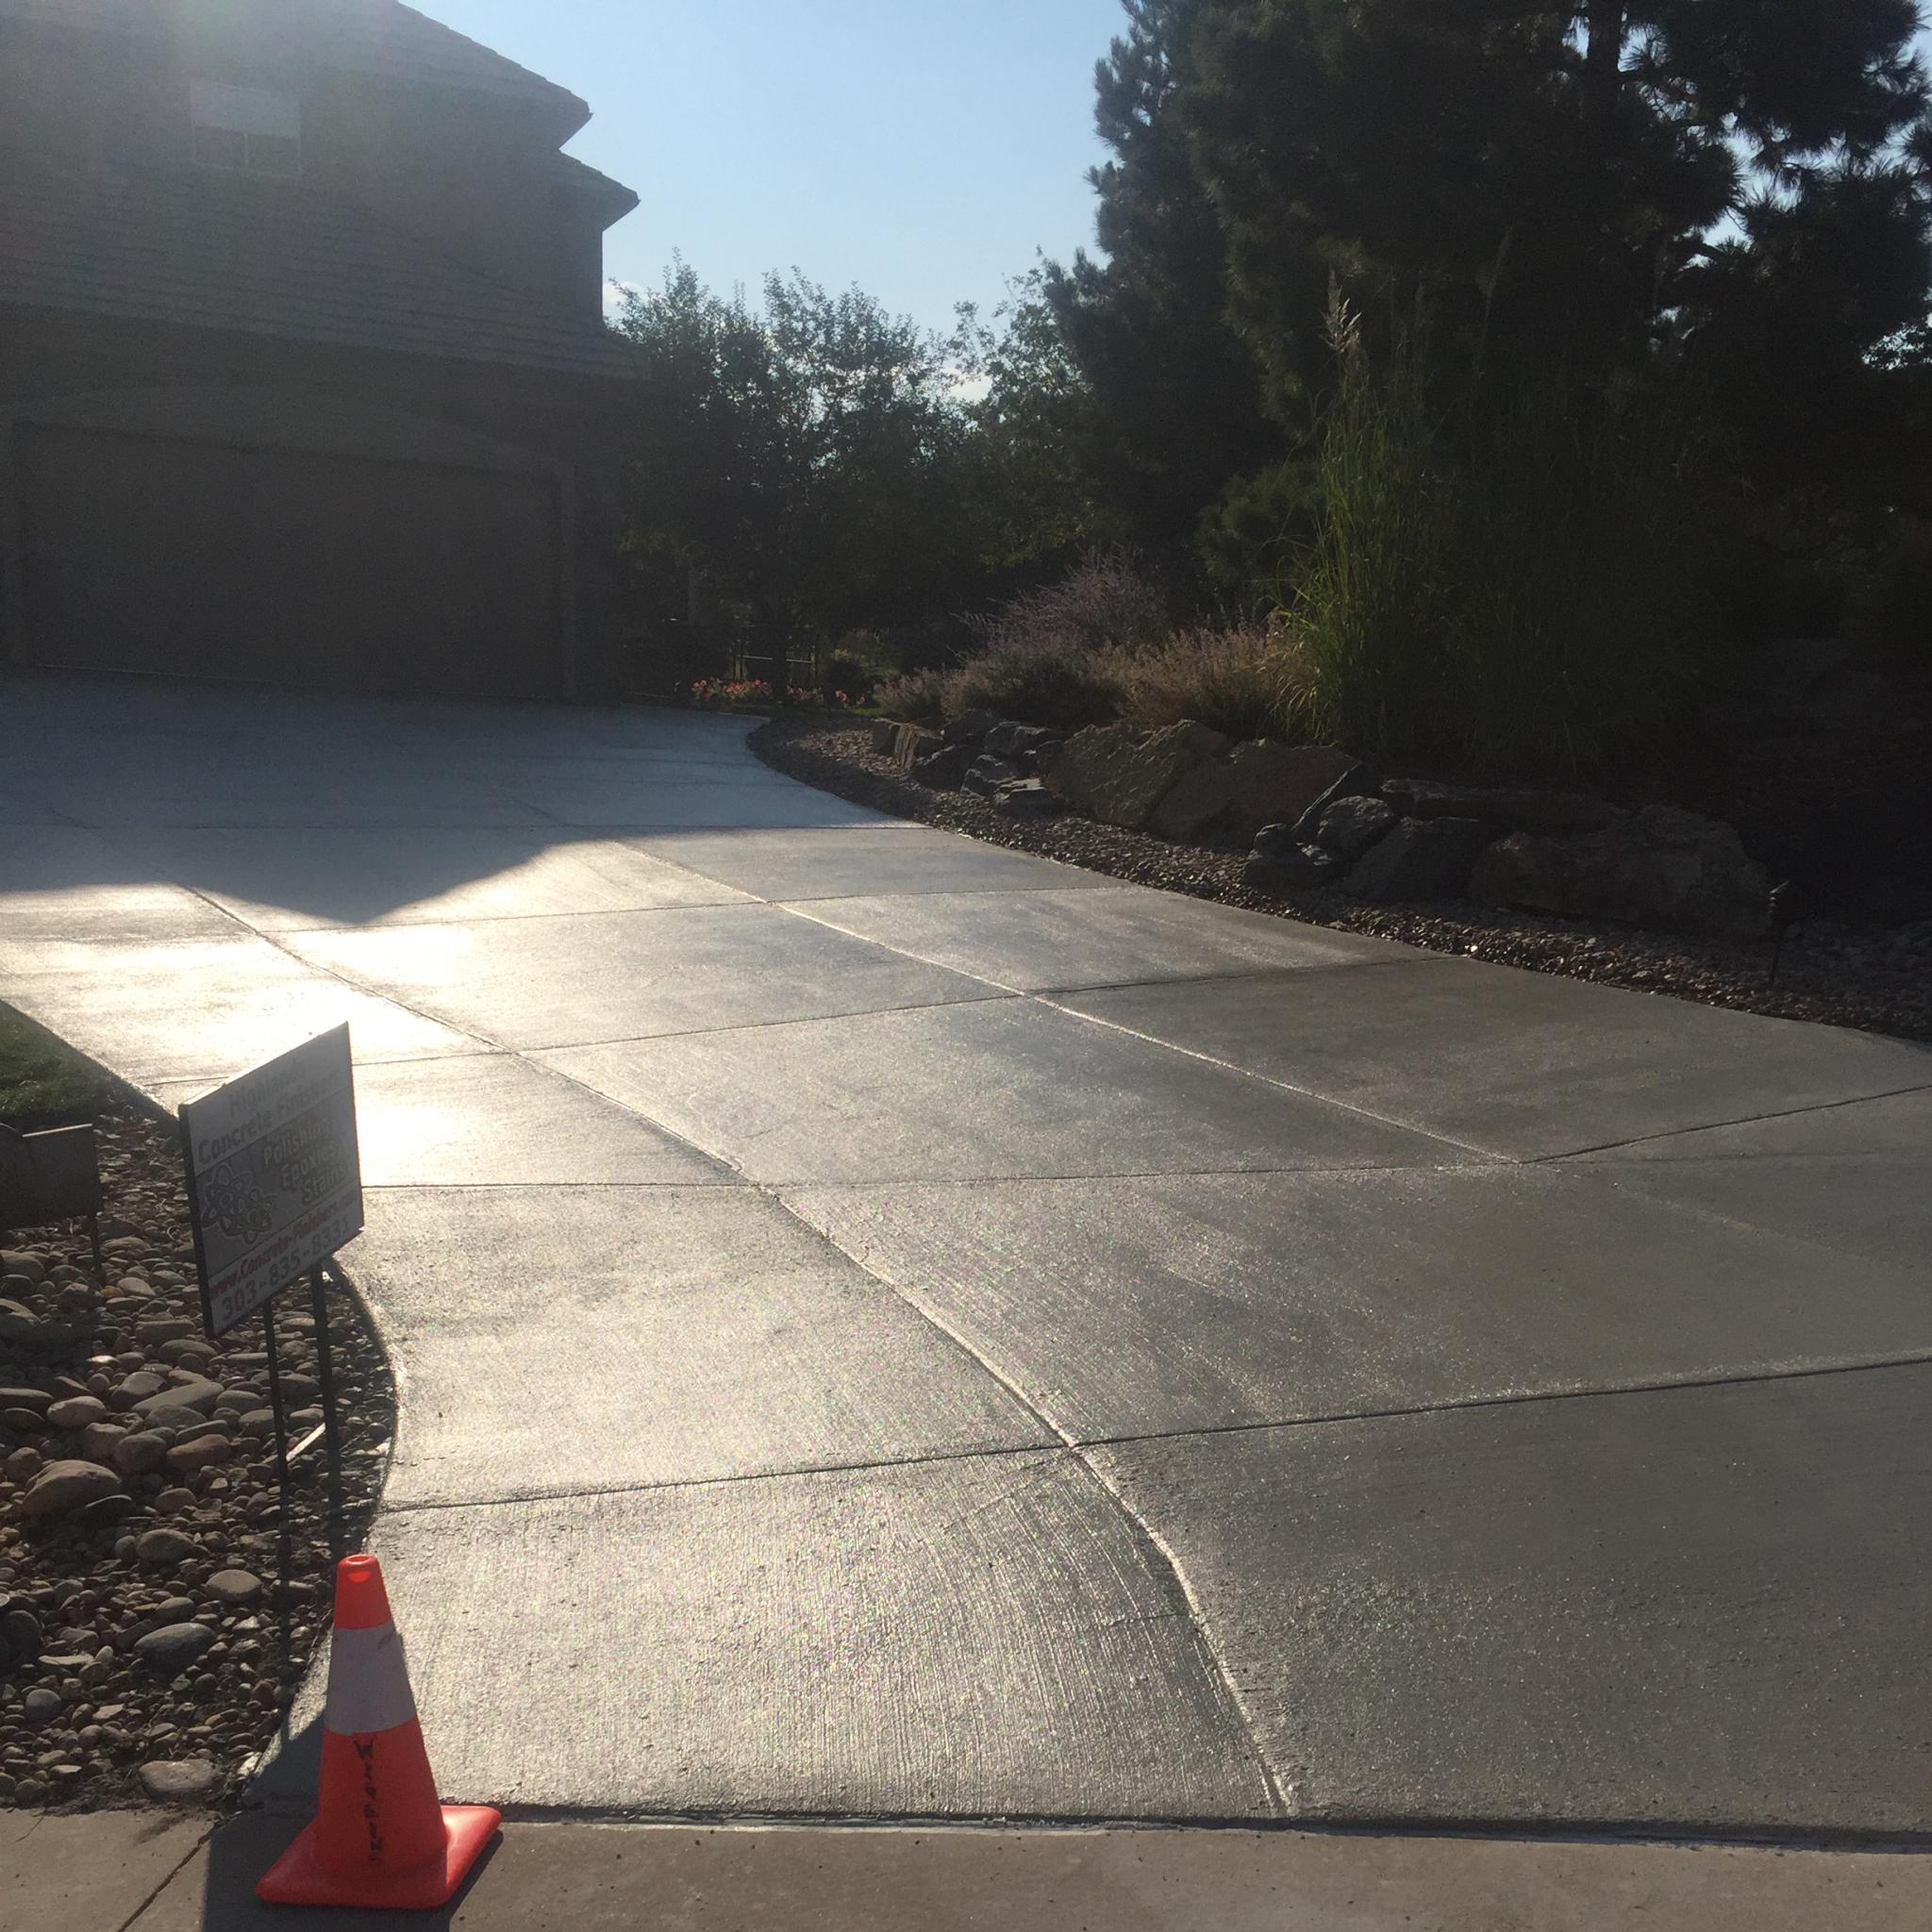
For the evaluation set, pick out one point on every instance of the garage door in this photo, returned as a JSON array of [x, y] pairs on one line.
[[318, 572]]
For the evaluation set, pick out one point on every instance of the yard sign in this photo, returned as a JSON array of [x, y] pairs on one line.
[[274, 1179]]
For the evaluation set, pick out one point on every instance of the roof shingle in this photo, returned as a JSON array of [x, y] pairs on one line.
[[379, 37]]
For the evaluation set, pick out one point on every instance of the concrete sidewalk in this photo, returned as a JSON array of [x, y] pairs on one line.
[[892, 1328], [134, 1872]]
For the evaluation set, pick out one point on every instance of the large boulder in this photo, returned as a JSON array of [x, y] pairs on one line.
[[1361, 780], [911, 743], [984, 776], [1202, 804], [1290, 868], [1350, 825], [945, 768], [1278, 782], [1657, 867], [1804, 686], [1026, 798], [1113, 774], [1421, 859], [968, 727], [1017, 741], [1507, 808]]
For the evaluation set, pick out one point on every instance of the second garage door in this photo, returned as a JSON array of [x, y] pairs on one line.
[[315, 571]]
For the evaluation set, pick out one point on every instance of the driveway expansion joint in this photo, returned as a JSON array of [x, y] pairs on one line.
[[1166, 1619]]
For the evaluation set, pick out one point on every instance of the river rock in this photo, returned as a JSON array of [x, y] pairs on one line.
[[178, 1780], [137, 1387], [138, 1454], [204, 1452], [20, 1631], [158, 1546], [190, 1391], [17, 1262], [99, 1440], [234, 1586], [77, 1411], [63, 1488], [174, 1646]]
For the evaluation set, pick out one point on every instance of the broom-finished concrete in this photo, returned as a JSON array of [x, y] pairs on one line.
[[892, 1328]]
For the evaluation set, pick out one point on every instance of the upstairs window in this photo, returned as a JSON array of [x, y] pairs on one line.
[[255, 128]]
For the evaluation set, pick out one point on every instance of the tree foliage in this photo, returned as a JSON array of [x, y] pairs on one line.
[[1177, 394], [1740, 184], [803, 455]]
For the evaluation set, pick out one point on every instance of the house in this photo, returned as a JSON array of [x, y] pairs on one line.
[[304, 376]]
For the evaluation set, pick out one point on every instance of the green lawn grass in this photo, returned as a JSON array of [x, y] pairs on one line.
[[42, 1082]]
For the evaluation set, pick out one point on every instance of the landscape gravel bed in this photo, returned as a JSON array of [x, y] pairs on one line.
[[157, 1602], [1879, 979]]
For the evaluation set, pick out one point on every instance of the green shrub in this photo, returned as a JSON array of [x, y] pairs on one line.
[[1513, 590], [1901, 594], [1106, 602], [1250, 682], [1063, 685], [917, 698], [845, 680], [1052, 656], [1251, 539]]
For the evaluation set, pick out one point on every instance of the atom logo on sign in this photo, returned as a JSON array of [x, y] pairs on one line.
[[237, 1207]]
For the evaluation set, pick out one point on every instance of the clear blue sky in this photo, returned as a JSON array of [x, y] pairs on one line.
[[922, 150]]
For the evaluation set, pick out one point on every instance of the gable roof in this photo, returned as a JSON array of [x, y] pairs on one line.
[[375, 36], [265, 256]]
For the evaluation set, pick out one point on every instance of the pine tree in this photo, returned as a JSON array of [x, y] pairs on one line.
[[1596, 184], [1176, 396]]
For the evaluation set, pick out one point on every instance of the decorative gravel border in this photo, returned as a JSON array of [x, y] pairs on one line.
[[152, 1640], [1878, 980]]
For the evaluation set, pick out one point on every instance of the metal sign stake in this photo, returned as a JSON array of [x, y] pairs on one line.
[[274, 1402], [331, 1434]]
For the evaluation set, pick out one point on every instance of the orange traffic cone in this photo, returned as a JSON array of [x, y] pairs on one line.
[[379, 1837]]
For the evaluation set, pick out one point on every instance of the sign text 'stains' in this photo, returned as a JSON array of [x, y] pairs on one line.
[[274, 1180]]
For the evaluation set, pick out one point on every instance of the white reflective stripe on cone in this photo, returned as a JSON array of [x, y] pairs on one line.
[[368, 1682]]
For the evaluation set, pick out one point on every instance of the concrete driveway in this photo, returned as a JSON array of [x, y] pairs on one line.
[[890, 1327]]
